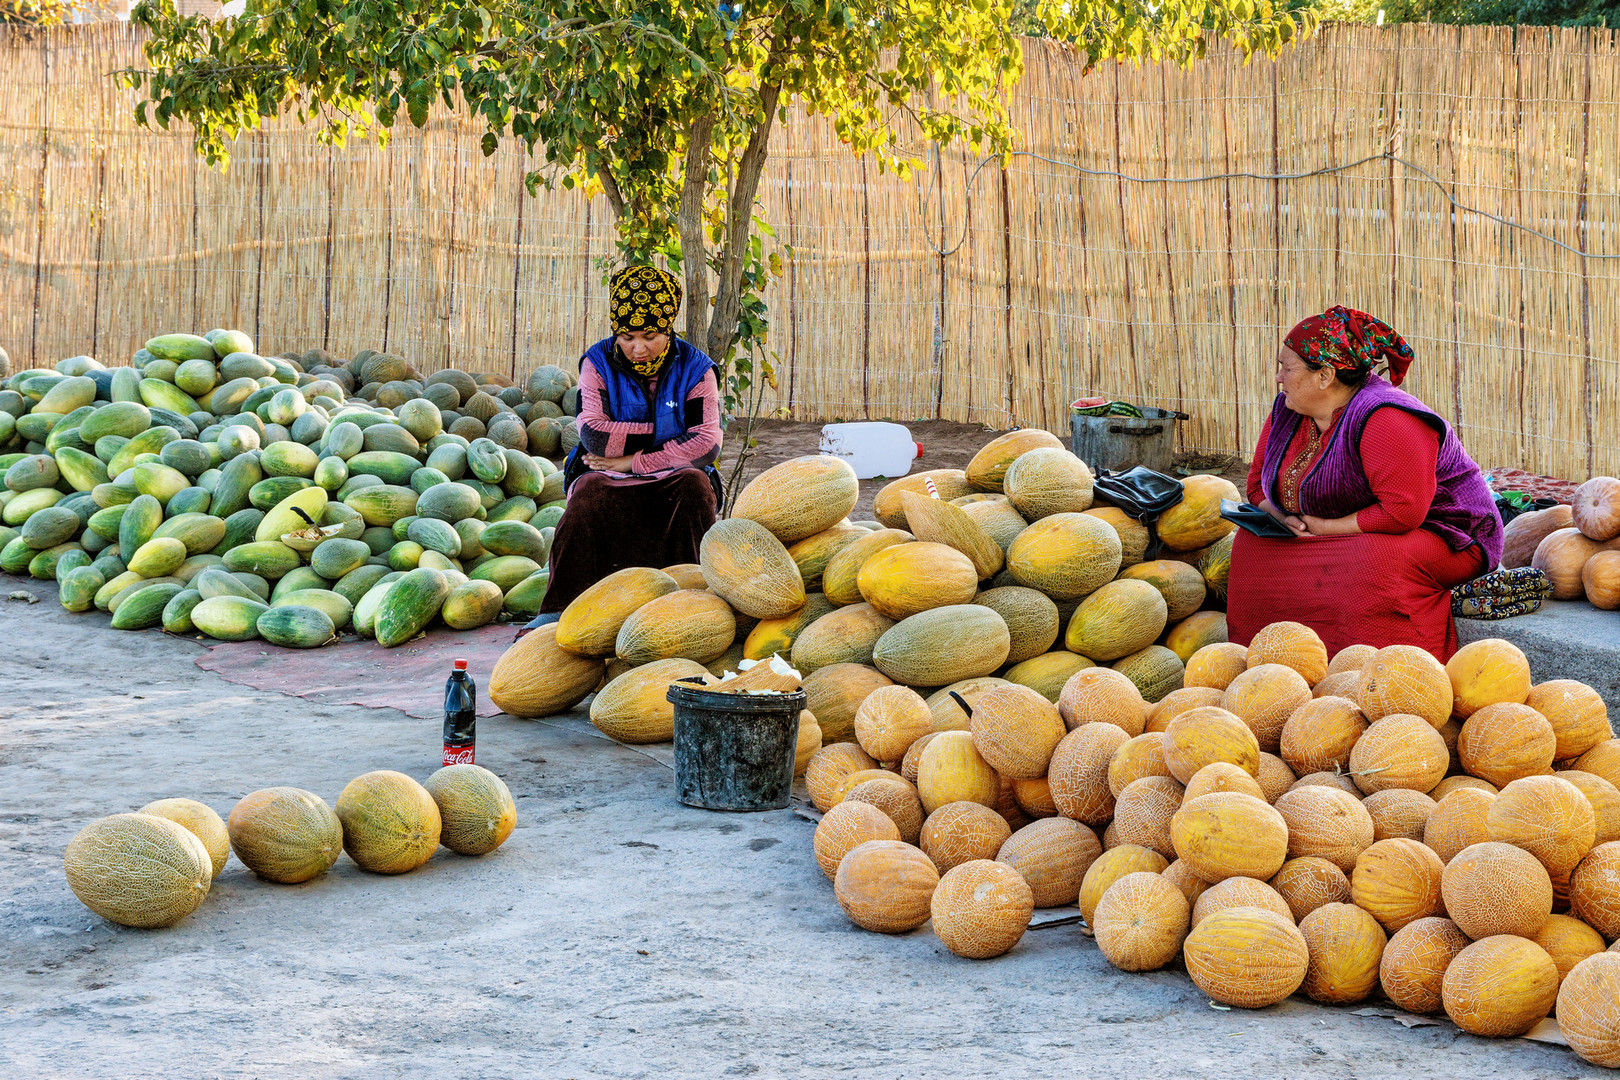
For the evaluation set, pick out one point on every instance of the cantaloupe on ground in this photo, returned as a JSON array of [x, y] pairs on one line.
[[1603, 797], [952, 770], [1065, 556], [1053, 854], [1399, 752], [1118, 619], [988, 469], [535, 677], [981, 909], [1264, 697], [1216, 665], [138, 870], [1568, 941], [1293, 645], [1562, 555], [1505, 742], [896, 797], [1502, 985], [1307, 883], [1458, 822], [285, 834], [1346, 945], [1579, 718], [1319, 735], [1326, 823], [1229, 834], [1594, 890], [1016, 730], [1236, 892], [635, 707], [1142, 813], [1202, 736], [1589, 1009], [1102, 695], [590, 624], [1031, 618], [1399, 812], [1275, 777], [844, 828], [1546, 816], [905, 579], [845, 635], [1407, 680], [1222, 776], [961, 832], [1495, 888], [201, 821], [390, 823], [1109, 867], [476, 811], [1397, 881], [1195, 632], [833, 764], [1415, 961], [1487, 672], [840, 579], [1195, 522], [1137, 758], [835, 692], [890, 720], [1247, 957], [941, 645], [801, 497], [886, 886], [1078, 772], [1141, 921]]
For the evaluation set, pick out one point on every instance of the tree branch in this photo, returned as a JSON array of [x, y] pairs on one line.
[[739, 224], [694, 250]]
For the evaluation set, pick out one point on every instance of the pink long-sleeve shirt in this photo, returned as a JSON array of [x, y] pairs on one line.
[[606, 437]]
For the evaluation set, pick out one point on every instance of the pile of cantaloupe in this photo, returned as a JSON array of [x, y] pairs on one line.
[[154, 867], [1577, 546]]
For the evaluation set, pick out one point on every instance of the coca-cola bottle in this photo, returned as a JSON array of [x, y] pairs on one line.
[[460, 715]]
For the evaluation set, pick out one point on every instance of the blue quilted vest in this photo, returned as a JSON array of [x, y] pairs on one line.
[[627, 396]]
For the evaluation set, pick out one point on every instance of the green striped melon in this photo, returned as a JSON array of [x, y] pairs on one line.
[[295, 626], [177, 612], [143, 609], [1155, 670], [413, 602], [336, 608], [228, 618], [472, 604]]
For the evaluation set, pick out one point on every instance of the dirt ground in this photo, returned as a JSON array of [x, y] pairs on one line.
[[616, 934]]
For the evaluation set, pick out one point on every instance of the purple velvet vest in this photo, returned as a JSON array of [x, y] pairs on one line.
[[1463, 511]]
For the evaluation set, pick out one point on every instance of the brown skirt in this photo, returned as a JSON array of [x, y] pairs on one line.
[[615, 522]]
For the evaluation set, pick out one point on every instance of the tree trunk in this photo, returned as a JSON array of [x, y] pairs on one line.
[[739, 226], [694, 249]]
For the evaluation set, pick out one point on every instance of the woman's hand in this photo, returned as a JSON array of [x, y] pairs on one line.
[[1345, 526], [1295, 524], [610, 464]]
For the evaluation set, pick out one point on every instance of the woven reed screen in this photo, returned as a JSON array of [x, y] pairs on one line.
[[1057, 283]]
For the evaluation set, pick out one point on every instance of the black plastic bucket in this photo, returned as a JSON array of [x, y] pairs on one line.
[[734, 751]]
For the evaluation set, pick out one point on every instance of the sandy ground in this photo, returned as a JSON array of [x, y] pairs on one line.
[[616, 934]]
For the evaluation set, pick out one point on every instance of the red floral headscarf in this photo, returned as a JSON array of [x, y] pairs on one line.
[[1350, 340]]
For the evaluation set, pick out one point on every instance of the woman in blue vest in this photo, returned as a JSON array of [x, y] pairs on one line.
[[642, 488]]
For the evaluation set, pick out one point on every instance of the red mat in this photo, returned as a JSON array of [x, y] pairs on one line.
[[408, 677], [1536, 487]]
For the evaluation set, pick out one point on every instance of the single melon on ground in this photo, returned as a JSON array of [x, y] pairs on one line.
[[1346, 946], [1415, 961], [201, 821], [1053, 854], [476, 810], [391, 824], [1247, 957], [1589, 1009], [1502, 985], [1141, 922], [285, 834], [138, 870], [886, 886], [844, 828], [981, 908]]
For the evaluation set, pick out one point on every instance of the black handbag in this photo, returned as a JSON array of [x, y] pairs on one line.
[[1252, 519], [1140, 492]]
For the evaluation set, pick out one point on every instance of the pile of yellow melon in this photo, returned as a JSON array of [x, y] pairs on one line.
[[1285, 821], [1577, 546], [154, 867]]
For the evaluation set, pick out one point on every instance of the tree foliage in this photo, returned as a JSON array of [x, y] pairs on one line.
[[1598, 13], [40, 13]]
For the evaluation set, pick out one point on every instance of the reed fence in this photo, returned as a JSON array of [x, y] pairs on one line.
[[1123, 253]]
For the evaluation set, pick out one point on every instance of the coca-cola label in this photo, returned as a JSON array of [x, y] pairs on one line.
[[458, 755]]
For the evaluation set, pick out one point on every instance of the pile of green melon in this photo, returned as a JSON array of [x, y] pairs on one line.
[[208, 489]]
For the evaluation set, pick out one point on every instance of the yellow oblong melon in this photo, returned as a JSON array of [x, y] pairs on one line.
[[906, 579], [590, 623], [749, 569], [634, 708], [1031, 618], [1120, 618], [1195, 522], [691, 624], [1047, 481], [886, 507], [138, 870], [944, 644], [1065, 556], [201, 821], [1194, 632], [988, 469], [1133, 535], [998, 518], [285, 834], [535, 677], [844, 635], [1156, 671], [390, 823], [1181, 585], [476, 810], [840, 579], [800, 498], [813, 553], [937, 521], [1046, 674]]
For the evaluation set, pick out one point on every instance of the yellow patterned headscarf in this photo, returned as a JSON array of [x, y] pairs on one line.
[[644, 298]]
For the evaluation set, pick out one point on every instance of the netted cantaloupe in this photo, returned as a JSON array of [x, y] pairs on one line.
[[1016, 730], [1275, 777], [1397, 881], [1113, 864], [1602, 760], [1195, 522], [952, 770], [1399, 812], [1346, 946], [1320, 734], [1201, 736], [1399, 752], [1458, 822], [1143, 810], [813, 553], [799, 498], [1247, 957], [1065, 556], [201, 821], [1156, 671], [1264, 697], [1452, 783], [1326, 823], [751, 570], [1351, 658], [1078, 772], [949, 715], [808, 743], [835, 692], [689, 624], [1229, 834], [844, 828], [996, 516], [1487, 672], [1546, 816], [1216, 665], [894, 796], [942, 645], [1236, 892], [1577, 713], [1589, 1009], [1415, 961], [1562, 555], [1568, 941], [1007, 805], [1048, 673], [840, 581], [1594, 890], [1179, 701], [1047, 481], [1102, 695], [1505, 742], [1198, 630], [833, 764], [988, 469], [476, 810], [1031, 618], [1141, 922], [285, 834], [845, 635], [981, 909], [1179, 583], [1341, 781], [961, 832], [1118, 619], [1345, 684], [1502, 985], [1034, 797], [687, 575], [590, 624], [1307, 883], [1222, 776], [950, 483], [635, 708], [1133, 535], [904, 579], [886, 886], [890, 720], [1181, 876], [1603, 797], [938, 522], [138, 870], [1403, 679], [1053, 855], [1293, 645], [390, 823], [1139, 757]]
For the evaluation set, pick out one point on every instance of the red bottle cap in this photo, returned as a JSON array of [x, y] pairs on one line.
[[919, 449], [461, 665]]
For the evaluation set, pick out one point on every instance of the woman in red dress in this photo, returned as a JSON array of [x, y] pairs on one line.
[[1388, 511]]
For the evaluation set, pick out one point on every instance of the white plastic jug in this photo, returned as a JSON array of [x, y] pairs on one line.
[[872, 448]]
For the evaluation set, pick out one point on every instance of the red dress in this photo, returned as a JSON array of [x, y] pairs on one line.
[[1389, 585]]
